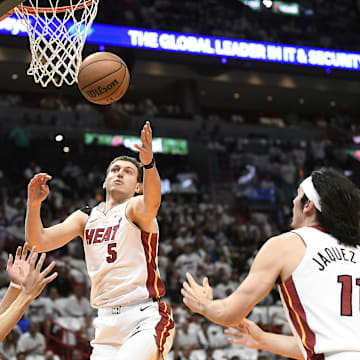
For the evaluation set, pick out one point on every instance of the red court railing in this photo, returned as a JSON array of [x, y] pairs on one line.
[[63, 341]]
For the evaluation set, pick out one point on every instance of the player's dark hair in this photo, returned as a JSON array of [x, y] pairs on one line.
[[138, 165], [340, 205]]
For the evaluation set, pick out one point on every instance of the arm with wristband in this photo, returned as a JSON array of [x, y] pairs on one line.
[[26, 284], [17, 271], [145, 207]]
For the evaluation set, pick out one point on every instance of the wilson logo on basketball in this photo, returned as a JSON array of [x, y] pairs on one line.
[[101, 89], [103, 78]]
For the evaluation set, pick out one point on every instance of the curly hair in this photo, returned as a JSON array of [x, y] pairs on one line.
[[340, 205]]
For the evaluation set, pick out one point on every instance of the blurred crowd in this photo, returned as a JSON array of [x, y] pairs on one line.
[[329, 24], [214, 230], [66, 113], [217, 236]]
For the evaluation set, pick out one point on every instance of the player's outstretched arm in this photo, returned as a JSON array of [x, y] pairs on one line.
[[231, 310], [46, 239], [31, 286], [252, 336], [17, 269], [146, 207]]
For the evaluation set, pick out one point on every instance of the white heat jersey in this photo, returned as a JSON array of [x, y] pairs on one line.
[[322, 297], [121, 259]]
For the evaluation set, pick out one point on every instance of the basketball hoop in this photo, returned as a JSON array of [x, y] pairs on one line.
[[57, 34]]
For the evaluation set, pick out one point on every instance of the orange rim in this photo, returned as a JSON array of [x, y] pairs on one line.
[[60, 9]]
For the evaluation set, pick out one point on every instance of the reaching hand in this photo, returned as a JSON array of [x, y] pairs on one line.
[[35, 281], [38, 190], [19, 269], [247, 334], [146, 153], [196, 296], [207, 288]]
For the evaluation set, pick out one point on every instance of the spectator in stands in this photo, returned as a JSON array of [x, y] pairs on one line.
[[76, 355], [222, 265], [203, 336], [185, 338], [216, 336], [49, 355], [55, 306], [87, 330], [21, 356], [209, 354], [288, 172], [187, 262], [9, 345], [32, 343], [77, 305], [21, 136], [37, 309], [63, 283], [224, 287], [186, 353]]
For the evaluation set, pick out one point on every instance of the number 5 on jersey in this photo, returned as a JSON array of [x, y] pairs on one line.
[[112, 253]]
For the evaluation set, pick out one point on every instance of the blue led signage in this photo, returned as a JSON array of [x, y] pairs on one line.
[[206, 45]]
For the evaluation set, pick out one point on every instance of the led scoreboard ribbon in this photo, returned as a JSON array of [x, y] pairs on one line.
[[206, 45]]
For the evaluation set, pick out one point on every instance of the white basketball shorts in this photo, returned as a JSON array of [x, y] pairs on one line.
[[135, 332]]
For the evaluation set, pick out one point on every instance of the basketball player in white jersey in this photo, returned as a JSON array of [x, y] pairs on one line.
[[120, 238], [317, 266]]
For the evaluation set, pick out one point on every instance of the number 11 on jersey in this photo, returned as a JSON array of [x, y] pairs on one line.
[[347, 294]]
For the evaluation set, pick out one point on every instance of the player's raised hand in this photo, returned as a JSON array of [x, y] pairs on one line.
[[207, 288], [247, 333], [146, 153], [38, 190], [36, 279], [19, 269], [196, 296]]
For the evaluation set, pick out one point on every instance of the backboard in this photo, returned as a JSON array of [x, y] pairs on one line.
[[7, 5]]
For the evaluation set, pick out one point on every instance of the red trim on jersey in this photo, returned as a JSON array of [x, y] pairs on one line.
[[163, 327], [298, 318], [154, 284], [318, 228]]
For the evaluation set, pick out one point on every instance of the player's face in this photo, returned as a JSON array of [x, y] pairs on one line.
[[122, 177], [297, 218]]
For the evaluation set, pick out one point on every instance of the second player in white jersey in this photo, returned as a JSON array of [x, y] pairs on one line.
[[318, 267], [322, 294]]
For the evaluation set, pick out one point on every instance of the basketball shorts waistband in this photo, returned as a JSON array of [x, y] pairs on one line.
[[116, 310]]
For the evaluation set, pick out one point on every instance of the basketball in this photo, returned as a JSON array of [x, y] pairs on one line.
[[103, 78]]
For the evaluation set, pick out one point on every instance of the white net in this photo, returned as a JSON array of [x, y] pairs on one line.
[[57, 34]]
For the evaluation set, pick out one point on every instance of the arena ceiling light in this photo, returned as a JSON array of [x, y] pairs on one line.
[[59, 137], [252, 4], [267, 3]]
